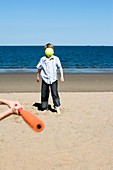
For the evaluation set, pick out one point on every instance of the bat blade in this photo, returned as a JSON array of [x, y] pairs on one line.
[[32, 120]]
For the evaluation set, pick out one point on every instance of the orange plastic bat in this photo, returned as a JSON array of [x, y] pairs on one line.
[[34, 121]]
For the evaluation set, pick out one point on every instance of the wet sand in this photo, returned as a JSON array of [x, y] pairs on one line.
[[26, 82]]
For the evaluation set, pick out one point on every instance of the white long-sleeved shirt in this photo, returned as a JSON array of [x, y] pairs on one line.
[[49, 68]]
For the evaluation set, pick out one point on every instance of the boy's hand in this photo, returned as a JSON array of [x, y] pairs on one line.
[[38, 75], [38, 79], [62, 79]]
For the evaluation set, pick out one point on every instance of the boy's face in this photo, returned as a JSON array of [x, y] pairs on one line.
[[49, 52]]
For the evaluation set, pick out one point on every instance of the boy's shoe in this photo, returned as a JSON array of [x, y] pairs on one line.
[[58, 110], [44, 110]]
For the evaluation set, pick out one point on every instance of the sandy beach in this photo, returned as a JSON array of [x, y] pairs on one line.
[[81, 138]]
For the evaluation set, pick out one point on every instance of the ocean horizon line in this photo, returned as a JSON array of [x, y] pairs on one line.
[[58, 45]]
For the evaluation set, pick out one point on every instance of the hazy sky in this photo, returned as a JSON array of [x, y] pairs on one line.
[[61, 22]]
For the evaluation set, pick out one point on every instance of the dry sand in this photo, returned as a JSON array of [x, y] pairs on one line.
[[81, 138]]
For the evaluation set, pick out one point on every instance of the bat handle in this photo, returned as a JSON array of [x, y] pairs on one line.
[[20, 109]]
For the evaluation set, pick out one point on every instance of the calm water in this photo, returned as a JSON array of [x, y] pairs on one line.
[[73, 58]]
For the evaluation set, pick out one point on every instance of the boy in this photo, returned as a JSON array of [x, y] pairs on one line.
[[47, 68]]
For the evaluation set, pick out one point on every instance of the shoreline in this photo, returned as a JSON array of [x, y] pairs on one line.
[[66, 70], [74, 82]]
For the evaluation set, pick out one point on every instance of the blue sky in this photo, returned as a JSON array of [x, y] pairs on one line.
[[61, 22]]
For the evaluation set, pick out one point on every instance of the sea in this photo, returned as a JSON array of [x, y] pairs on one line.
[[74, 59]]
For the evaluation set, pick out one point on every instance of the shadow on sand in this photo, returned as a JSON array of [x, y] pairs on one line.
[[38, 105]]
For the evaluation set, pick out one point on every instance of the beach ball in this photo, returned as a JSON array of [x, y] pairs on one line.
[[49, 52]]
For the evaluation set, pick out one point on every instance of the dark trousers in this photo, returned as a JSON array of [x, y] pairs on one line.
[[45, 94]]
